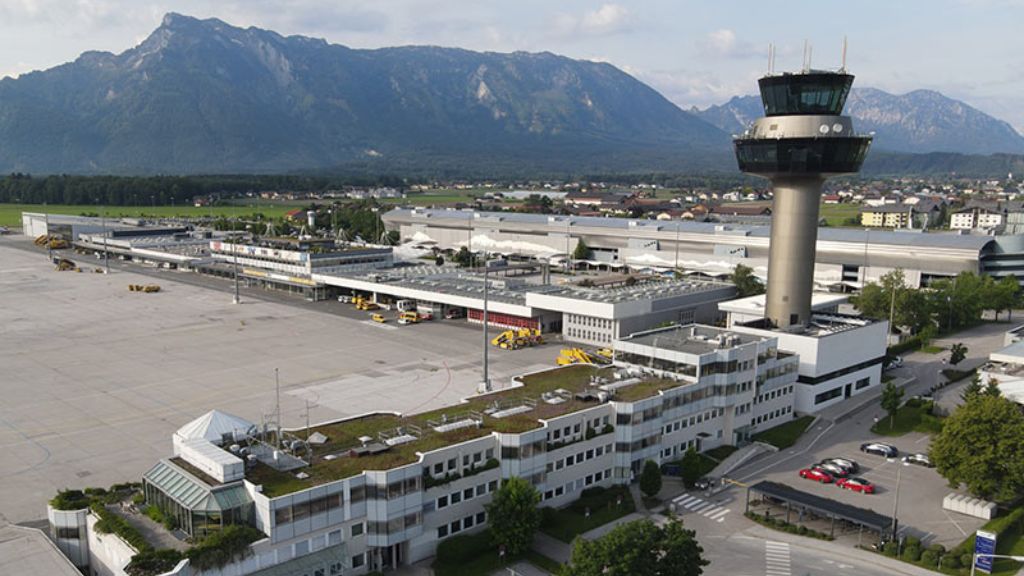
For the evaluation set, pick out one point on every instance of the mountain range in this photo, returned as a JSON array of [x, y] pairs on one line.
[[201, 96], [919, 122]]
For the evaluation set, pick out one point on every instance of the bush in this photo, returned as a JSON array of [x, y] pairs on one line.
[[891, 549], [939, 549], [650, 479], [966, 560], [221, 548], [951, 562], [110, 523], [462, 549], [911, 554], [929, 558], [153, 562], [912, 541], [70, 500]]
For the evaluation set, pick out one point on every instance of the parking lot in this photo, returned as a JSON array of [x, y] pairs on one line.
[[921, 489], [95, 378]]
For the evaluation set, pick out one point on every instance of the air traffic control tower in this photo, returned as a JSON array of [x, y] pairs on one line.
[[802, 140]]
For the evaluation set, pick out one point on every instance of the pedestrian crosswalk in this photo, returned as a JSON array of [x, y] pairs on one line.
[[702, 507], [776, 558]]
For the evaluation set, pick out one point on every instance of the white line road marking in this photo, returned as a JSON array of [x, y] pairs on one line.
[[711, 512], [379, 325], [720, 514], [685, 499], [777, 561], [701, 506]]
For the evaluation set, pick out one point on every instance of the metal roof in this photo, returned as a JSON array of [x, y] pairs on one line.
[[192, 494], [555, 223], [831, 508]]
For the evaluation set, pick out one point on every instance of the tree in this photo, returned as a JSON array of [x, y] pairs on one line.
[[439, 260], [691, 467], [650, 479], [992, 388], [746, 283], [463, 257], [582, 251], [1004, 296], [973, 388], [957, 353], [980, 446], [639, 548], [892, 397], [514, 516]]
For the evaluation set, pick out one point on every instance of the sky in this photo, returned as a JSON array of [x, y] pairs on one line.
[[696, 53]]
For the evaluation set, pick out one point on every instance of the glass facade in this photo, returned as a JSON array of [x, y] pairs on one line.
[[195, 508], [802, 155], [792, 94]]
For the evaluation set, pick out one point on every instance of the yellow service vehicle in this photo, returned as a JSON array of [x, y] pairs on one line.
[[409, 317], [378, 318]]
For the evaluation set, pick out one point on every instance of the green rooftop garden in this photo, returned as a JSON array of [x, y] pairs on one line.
[[344, 436], [645, 389]]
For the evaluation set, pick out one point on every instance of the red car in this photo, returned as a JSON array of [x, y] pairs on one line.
[[816, 474], [857, 485]]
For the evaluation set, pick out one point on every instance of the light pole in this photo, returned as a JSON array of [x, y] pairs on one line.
[[234, 251], [974, 559], [896, 501], [106, 251], [487, 376]]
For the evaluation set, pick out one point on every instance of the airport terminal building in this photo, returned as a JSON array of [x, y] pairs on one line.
[[377, 492], [846, 257]]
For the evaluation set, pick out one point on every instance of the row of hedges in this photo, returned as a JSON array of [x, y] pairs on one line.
[[222, 548], [783, 526], [110, 523]]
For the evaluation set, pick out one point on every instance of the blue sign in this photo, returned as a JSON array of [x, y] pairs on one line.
[[984, 543]]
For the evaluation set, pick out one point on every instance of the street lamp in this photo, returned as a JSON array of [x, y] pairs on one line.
[[975, 556]]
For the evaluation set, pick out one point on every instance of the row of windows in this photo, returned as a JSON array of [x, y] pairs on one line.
[[394, 490], [525, 451], [396, 524], [593, 335], [639, 444], [577, 484], [304, 547], [694, 420], [625, 419], [460, 525], [467, 460], [773, 415], [467, 494], [590, 321], [579, 457], [681, 448], [826, 396], [302, 510], [571, 432], [773, 394]]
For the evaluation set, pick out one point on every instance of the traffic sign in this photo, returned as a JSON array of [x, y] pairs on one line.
[[984, 547]]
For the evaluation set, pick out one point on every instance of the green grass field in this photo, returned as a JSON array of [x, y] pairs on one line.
[[785, 435], [10, 214], [837, 214]]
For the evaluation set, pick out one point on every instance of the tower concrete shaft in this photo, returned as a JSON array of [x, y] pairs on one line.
[[802, 140], [791, 253]]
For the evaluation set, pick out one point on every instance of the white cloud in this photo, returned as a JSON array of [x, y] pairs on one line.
[[607, 19], [724, 43], [688, 88]]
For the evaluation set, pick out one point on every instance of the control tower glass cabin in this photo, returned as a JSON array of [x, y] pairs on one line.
[[802, 140]]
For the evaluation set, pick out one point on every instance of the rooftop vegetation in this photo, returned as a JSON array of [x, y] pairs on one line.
[[344, 436]]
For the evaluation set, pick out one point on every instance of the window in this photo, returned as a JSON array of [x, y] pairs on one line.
[[489, 453], [481, 490], [438, 468], [826, 396], [467, 494], [70, 532], [455, 527], [492, 485], [334, 538], [357, 494], [357, 529], [429, 507], [358, 560], [283, 515], [467, 522], [442, 502], [302, 548], [481, 517], [442, 531], [452, 463], [456, 497], [336, 568]]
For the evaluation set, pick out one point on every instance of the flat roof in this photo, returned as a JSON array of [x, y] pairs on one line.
[[30, 552], [755, 304], [827, 234], [543, 396], [693, 339], [825, 506], [1012, 354]]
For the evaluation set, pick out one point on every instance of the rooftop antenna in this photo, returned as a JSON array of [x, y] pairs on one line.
[[807, 64], [843, 68]]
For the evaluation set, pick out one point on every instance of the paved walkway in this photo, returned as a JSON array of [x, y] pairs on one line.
[[552, 547]]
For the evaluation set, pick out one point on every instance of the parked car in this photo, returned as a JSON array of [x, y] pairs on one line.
[[880, 449], [857, 485], [833, 469], [893, 362], [816, 474], [850, 466], [919, 459], [378, 318], [703, 483]]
